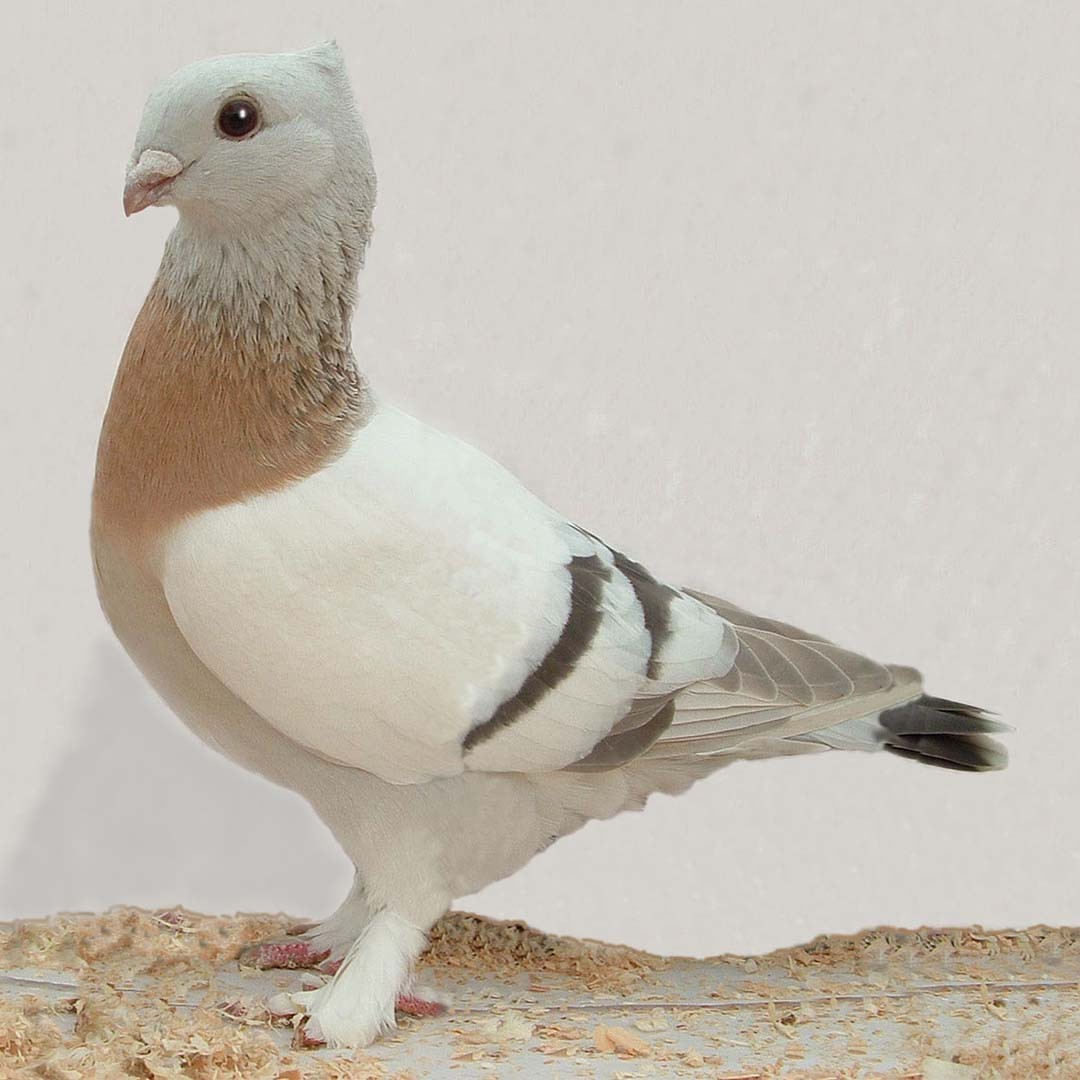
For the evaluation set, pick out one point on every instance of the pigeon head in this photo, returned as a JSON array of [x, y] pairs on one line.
[[236, 142], [266, 159]]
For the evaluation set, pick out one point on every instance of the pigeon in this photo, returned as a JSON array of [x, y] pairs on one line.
[[375, 614]]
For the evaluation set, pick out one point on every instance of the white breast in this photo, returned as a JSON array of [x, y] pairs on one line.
[[379, 609]]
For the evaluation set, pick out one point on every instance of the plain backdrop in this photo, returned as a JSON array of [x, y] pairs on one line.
[[783, 299]]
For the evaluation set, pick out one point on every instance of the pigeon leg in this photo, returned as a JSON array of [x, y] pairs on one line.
[[358, 1003]]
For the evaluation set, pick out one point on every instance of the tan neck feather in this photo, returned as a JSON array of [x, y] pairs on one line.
[[199, 419]]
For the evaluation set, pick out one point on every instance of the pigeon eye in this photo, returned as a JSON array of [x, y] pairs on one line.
[[238, 119]]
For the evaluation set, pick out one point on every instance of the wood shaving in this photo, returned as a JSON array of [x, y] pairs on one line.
[[27, 1031], [655, 1021], [471, 943], [938, 1069], [617, 1040], [1050, 1058], [507, 1027], [560, 1031], [145, 1001]]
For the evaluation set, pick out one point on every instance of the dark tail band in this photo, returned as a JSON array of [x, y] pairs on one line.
[[945, 733]]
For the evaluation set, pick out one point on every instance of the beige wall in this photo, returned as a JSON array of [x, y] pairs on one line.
[[779, 297]]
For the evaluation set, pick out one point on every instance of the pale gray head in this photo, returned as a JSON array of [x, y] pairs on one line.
[[267, 161], [236, 141]]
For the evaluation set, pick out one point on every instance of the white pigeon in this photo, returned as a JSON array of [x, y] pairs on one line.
[[373, 613]]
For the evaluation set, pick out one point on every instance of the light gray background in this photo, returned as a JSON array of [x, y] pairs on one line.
[[779, 297]]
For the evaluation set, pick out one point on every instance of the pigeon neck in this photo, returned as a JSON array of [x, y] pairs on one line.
[[289, 286], [238, 377]]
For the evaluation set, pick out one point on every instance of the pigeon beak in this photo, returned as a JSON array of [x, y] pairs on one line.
[[148, 179]]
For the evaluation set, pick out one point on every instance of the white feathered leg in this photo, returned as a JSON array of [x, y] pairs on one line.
[[357, 1005], [415, 848], [336, 934]]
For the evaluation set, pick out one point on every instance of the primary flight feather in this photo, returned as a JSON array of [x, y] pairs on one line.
[[373, 613]]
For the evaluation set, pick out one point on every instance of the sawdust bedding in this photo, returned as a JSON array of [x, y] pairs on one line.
[[178, 953], [174, 956]]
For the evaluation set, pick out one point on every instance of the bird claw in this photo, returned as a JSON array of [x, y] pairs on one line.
[[308, 1035]]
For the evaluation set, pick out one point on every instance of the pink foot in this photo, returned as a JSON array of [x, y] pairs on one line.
[[411, 1005], [283, 954]]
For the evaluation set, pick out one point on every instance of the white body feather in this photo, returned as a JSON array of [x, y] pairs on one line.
[[377, 611]]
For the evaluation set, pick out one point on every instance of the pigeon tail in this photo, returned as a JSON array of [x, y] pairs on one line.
[[945, 733], [933, 730]]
